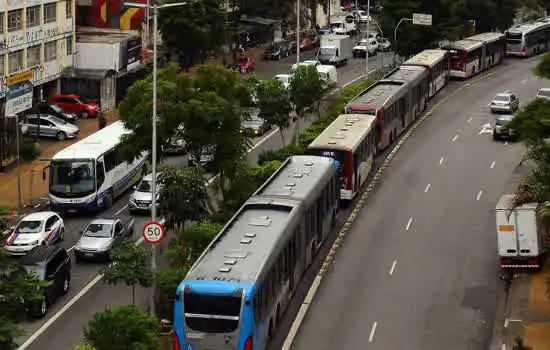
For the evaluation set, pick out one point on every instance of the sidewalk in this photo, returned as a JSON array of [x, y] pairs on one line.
[[32, 185]]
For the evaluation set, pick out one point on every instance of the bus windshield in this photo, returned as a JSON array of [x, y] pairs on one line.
[[72, 178], [336, 154], [513, 38], [212, 313]]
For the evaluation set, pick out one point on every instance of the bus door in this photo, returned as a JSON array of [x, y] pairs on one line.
[[484, 55], [355, 166]]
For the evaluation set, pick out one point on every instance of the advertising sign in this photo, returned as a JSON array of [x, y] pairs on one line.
[[19, 96], [422, 19], [132, 53]]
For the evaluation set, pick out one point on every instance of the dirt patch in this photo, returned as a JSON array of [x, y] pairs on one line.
[[537, 335], [539, 302]]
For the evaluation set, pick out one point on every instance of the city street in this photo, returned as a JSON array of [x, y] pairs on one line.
[[419, 268], [62, 328]]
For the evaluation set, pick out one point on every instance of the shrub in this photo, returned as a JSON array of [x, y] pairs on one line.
[[348, 93], [167, 284], [281, 154], [311, 132], [28, 150], [260, 173]]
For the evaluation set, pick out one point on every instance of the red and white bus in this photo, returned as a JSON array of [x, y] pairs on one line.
[[351, 141], [477, 53], [438, 64]]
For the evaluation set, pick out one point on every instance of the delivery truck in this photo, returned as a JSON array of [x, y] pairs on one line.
[[335, 49], [519, 234]]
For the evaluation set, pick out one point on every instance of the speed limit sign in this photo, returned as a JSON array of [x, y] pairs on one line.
[[153, 232]]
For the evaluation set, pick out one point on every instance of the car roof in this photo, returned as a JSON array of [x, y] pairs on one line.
[[66, 95], [41, 215], [504, 94], [40, 254]]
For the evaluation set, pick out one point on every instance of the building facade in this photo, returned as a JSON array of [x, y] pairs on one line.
[[38, 36], [110, 14]]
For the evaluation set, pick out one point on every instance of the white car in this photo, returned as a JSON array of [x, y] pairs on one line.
[[361, 16], [543, 94], [360, 50], [384, 45], [285, 79], [313, 63], [45, 227]]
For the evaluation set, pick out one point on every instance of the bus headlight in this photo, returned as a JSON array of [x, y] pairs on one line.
[[90, 200]]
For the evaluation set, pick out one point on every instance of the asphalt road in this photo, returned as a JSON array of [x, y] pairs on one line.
[[419, 269], [62, 328]]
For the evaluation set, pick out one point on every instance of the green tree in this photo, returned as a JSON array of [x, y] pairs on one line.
[[274, 104], [251, 85], [130, 264], [84, 347], [305, 88], [122, 328], [167, 283], [187, 245], [184, 196]]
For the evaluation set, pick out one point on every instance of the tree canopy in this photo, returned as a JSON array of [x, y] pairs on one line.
[[274, 104]]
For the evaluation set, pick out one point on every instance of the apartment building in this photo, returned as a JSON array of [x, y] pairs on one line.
[[37, 36]]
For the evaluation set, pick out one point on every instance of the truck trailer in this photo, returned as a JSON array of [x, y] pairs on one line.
[[335, 50]]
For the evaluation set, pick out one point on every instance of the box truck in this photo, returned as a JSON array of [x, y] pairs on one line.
[[519, 234], [335, 50]]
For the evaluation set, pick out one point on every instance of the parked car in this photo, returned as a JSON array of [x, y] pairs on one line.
[[543, 94], [384, 45], [360, 50], [57, 111], [276, 51], [246, 64], [206, 159], [100, 237], [504, 102], [176, 145], [77, 104], [51, 264], [284, 78], [142, 198], [361, 15], [313, 63], [501, 131], [36, 229], [49, 126], [306, 44], [253, 125]]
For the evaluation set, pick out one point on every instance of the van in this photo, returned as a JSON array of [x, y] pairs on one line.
[[328, 73]]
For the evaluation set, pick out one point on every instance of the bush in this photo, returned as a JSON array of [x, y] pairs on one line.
[[260, 173], [281, 154], [187, 245], [348, 93], [167, 284], [28, 150], [311, 132]]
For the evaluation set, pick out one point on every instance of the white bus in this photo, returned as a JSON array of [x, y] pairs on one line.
[[90, 174], [528, 39], [351, 141], [438, 64], [477, 53]]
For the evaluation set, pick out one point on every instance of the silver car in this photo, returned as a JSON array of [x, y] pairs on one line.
[[100, 237], [49, 126], [142, 198], [504, 103], [501, 131], [543, 94]]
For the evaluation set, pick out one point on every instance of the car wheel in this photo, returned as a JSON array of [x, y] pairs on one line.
[[495, 136], [66, 284], [43, 309], [61, 136], [84, 115], [279, 57], [62, 235]]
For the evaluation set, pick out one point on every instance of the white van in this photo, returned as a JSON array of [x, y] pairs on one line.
[[328, 73]]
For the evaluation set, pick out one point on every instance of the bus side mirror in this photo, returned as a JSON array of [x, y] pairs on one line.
[[44, 172]]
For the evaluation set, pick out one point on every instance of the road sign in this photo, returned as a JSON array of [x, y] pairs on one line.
[[422, 19], [153, 232]]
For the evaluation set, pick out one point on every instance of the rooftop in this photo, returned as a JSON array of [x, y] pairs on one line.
[[377, 94]]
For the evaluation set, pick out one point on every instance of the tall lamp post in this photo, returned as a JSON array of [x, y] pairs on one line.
[[154, 7], [297, 33], [18, 140], [368, 40], [395, 37]]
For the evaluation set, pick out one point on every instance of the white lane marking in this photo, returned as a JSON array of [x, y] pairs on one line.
[[393, 267], [454, 138], [409, 224], [505, 143], [427, 188], [479, 195], [372, 331], [469, 120], [492, 164], [441, 160], [121, 209], [524, 81], [486, 129]]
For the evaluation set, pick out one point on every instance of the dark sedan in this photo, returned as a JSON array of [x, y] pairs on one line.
[[276, 51], [253, 125], [57, 111]]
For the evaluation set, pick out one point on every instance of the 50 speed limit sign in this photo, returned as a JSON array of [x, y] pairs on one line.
[[153, 232]]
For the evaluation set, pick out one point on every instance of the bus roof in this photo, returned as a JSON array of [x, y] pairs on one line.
[[530, 26], [427, 58], [405, 74], [347, 131], [377, 94], [298, 177], [241, 250], [488, 37], [465, 44], [94, 145]]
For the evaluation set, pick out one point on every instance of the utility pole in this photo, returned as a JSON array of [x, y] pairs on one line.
[[395, 37], [368, 41], [297, 33]]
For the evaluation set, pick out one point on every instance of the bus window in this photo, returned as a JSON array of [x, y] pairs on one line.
[[212, 305], [100, 174]]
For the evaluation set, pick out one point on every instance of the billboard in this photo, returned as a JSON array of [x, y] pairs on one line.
[[19, 96]]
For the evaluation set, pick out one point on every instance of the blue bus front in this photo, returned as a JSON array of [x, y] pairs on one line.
[[214, 315]]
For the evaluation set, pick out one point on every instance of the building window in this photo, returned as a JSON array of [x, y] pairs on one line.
[[50, 12], [15, 22], [69, 8], [15, 61], [33, 56], [69, 45], [33, 16], [50, 51]]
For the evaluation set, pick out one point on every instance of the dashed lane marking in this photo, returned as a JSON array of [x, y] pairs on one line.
[[372, 332], [392, 269], [427, 188], [409, 223], [479, 195], [441, 160], [492, 164]]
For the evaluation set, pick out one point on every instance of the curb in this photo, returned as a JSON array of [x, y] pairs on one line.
[[370, 188]]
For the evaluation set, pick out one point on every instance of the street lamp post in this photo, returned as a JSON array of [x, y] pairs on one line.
[[368, 41], [19, 190], [395, 37], [297, 33], [154, 7]]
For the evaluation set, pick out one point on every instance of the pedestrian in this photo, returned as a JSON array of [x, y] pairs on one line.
[[102, 121]]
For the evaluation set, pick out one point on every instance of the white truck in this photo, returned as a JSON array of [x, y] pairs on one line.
[[519, 234], [343, 25], [335, 50]]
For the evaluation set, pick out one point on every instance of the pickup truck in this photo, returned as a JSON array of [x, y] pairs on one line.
[[101, 236]]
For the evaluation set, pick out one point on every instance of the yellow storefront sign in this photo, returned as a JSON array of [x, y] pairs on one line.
[[21, 77], [507, 228]]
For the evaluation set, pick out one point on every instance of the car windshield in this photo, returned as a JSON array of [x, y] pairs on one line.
[[56, 108], [363, 42], [502, 121], [26, 227], [84, 100], [57, 120], [72, 178], [545, 93], [504, 98], [98, 230], [327, 51], [145, 186]]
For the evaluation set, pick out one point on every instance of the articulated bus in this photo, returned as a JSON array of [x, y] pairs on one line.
[[528, 39], [475, 54], [438, 64], [351, 140], [236, 293], [90, 173]]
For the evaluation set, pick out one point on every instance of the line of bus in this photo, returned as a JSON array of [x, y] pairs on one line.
[[438, 64], [89, 174], [529, 38]]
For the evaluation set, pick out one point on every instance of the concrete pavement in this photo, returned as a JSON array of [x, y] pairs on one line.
[[419, 270]]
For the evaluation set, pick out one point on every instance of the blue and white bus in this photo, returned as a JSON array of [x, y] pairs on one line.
[[90, 174], [236, 293]]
